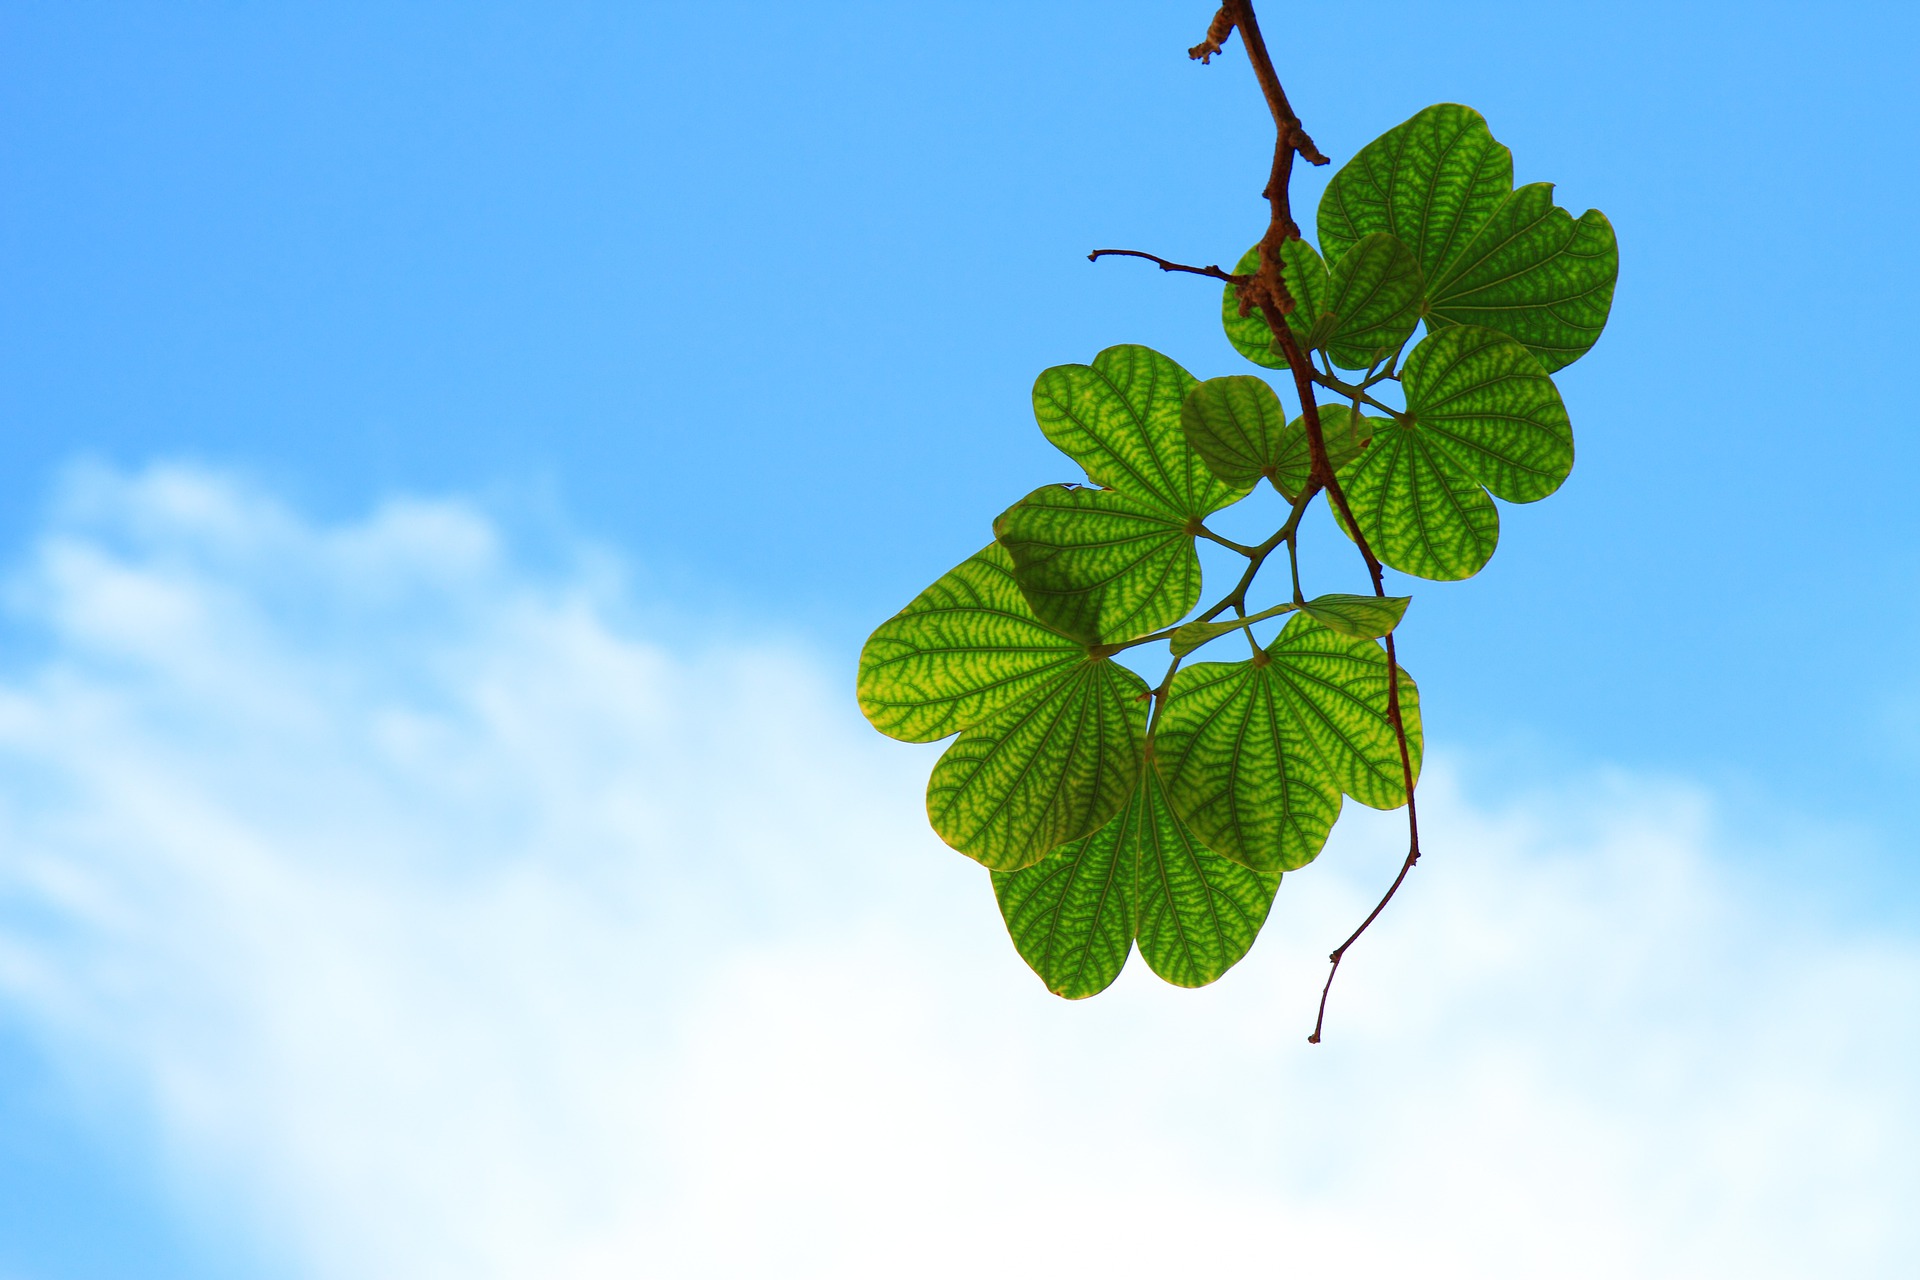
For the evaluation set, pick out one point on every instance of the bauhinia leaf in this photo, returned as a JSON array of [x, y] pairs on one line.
[[1240, 768], [1432, 181], [1196, 913], [1534, 273], [1363, 617], [1070, 915], [1195, 634], [1306, 279], [1238, 426], [1101, 566], [1420, 511], [1119, 418], [1336, 689], [1493, 409], [1074, 914], [1374, 301], [966, 647], [1050, 768]]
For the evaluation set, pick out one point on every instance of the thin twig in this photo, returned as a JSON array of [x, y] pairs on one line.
[[1212, 271]]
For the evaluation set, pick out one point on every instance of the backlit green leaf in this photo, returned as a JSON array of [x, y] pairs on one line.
[[1364, 617], [1237, 425], [966, 647], [1420, 511], [1306, 279], [1050, 768], [1432, 181], [1337, 693], [1535, 274], [1119, 418], [1196, 912], [1374, 297], [1195, 634], [1493, 409], [1071, 913], [1344, 434], [1098, 565], [1240, 768]]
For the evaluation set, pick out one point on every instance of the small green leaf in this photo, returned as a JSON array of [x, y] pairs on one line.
[[1070, 915], [1432, 181], [1421, 512], [966, 647], [1364, 617], [1239, 768], [1119, 418], [1337, 694], [1535, 274], [1196, 912], [1100, 566], [1050, 768], [1237, 425], [1375, 299], [1306, 279], [1493, 410], [1195, 634]]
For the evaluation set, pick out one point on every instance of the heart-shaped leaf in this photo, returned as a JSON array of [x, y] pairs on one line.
[[1098, 565], [1336, 691], [1419, 509], [1237, 426], [1374, 300], [1493, 409], [966, 647]]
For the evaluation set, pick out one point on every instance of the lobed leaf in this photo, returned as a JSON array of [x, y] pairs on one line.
[[1240, 768], [1196, 913], [1336, 689], [965, 647], [1050, 768], [1070, 915], [1492, 409], [1306, 279], [1536, 274], [1238, 427], [1363, 617], [1119, 418], [1373, 301], [1421, 513], [1100, 566], [1431, 181]]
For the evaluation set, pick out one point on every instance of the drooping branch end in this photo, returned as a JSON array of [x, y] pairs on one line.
[[1218, 32]]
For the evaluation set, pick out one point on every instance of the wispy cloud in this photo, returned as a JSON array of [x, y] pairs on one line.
[[449, 927]]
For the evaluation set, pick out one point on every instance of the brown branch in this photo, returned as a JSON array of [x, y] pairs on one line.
[[1214, 271], [1267, 291]]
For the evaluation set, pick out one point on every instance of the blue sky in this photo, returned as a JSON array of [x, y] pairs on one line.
[[719, 336]]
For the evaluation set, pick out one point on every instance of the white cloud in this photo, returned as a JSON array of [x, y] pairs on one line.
[[442, 926]]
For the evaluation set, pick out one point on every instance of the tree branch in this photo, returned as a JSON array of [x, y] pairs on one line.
[[1213, 272]]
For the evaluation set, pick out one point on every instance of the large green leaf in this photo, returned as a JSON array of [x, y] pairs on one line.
[[1306, 279], [1374, 299], [1240, 768], [1420, 511], [1363, 617], [1337, 693], [1238, 427], [1119, 418], [1074, 914], [1195, 912], [966, 647], [1534, 273], [1431, 181], [1493, 409], [1099, 565], [1071, 913], [1050, 768]]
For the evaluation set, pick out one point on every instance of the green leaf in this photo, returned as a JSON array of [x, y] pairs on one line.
[[1241, 770], [1306, 279], [1119, 418], [965, 648], [1421, 512], [1535, 274], [1070, 915], [1195, 634], [1196, 912], [1364, 617], [1345, 435], [1050, 768], [1098, 565], [1237, 426], [1494, 410], [1337, 694], [1375, 300], [1431, 181]]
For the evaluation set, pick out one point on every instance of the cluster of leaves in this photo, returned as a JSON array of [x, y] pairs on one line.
[[1112, 813]]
